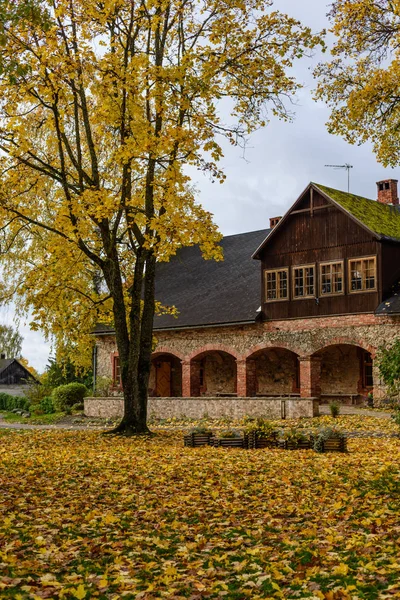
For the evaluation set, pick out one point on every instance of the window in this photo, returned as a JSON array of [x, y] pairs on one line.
[[276, 285], [367, 370], [304, 281], [362, 274], [331, 278], [117, 372]]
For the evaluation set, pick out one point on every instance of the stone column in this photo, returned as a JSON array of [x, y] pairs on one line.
[[251, 377], [310, 376], [185, 378], [241, 390]]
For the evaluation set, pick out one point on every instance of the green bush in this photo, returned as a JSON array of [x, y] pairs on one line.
[[65, 396], [37, 391], [78, 407], [334, 407], [8, 402], [47, 405]]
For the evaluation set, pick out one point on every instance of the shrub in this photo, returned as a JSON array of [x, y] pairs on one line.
[[47, 405], [261, 427], [36, 392], [326, 433], [65, 396], [8, 402], [334, 407], [230, 434], [201, 429], [79, 406], [103, 387]]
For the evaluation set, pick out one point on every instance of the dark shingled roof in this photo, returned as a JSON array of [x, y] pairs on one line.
[[206, 292], [391, 306], [4, 363]]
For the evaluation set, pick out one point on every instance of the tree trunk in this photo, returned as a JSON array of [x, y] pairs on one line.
[[136, 362]]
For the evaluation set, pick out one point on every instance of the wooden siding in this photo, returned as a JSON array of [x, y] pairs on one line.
[[390, 267], [326, 235], [15, 374]]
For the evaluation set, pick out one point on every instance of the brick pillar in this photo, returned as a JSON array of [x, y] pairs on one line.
[[251, 377], [195, 378], [241, 378], [185, 378], [310, 376]]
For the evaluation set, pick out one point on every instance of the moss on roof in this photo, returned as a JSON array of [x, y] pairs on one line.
[[379, 218]]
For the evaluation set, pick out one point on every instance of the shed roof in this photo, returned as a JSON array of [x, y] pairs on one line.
[[206, 292]]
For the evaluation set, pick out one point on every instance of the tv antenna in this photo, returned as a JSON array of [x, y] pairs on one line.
[[345, 166]]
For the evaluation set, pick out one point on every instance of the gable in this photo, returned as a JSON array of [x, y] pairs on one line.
[[378, 221], [13, 372]]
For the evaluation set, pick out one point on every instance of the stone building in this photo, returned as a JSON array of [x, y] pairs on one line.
[[298, 310]]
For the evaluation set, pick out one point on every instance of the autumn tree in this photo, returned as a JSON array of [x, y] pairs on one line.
[[361, 84], [10, 341], [103, 106]]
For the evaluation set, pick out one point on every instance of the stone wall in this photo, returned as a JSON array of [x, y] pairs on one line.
[[304, 337], [340, 370], [219, 374], [276, 372], [197, 408]]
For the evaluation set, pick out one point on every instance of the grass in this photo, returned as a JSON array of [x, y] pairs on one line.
[[11, 417], [89, 516]]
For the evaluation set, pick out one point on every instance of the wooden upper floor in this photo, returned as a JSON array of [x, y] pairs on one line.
[[331, 254]]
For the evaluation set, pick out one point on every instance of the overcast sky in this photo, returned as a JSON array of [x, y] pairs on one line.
[[279, 162]]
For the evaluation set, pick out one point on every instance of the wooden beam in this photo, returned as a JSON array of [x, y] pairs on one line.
[[304, 210], [312, 202]]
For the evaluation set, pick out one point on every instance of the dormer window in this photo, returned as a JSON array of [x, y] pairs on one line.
[[276, 284], [303, 278]]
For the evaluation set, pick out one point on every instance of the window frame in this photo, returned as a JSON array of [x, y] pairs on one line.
[[306, 266], [339, 261], [116, 367], [363, 291], [277, 270]]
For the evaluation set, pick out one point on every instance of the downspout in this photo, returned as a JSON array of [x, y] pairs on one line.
[[94, 368]]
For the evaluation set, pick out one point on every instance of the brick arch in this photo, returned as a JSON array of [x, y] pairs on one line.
[[270, 346], [214, 348], [336, 341], [165, 350]]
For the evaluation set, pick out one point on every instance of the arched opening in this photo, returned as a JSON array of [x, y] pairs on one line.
[[165, 376], [213, 373], [346, 373], [273, 372]]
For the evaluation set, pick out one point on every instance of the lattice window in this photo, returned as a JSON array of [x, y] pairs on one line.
[[117, 372], [304, 281], [331, 278], [276, 285], [362, 274]]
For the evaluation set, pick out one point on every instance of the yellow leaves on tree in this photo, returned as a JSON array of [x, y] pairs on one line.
[[106, 107], [361, 81]]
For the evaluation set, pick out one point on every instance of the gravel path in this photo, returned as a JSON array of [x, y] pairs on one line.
[[324, 410], [67, 426]]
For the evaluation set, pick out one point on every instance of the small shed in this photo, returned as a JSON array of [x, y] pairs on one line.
[[14, 377]]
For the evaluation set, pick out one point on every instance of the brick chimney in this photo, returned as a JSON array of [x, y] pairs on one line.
[[387, 192], [274, 221]]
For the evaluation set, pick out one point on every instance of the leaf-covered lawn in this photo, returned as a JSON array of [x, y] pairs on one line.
[[86, 516]]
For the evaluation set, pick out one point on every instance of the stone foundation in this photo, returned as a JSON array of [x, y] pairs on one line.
[[305, 356], [197, 408]]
